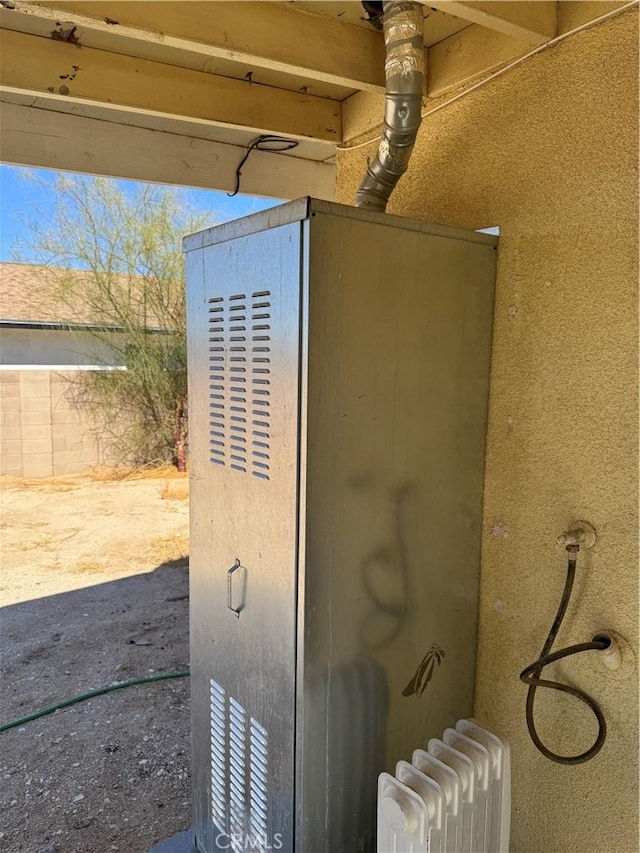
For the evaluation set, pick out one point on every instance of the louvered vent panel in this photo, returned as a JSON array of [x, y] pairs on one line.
[[228, 367], [261, 384], [237, 382], [239, 765], [240, 376], [237, 770], [217, 408], [258, 785], [218, 755]]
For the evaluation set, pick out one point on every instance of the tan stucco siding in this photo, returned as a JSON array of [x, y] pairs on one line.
[[548, 152]]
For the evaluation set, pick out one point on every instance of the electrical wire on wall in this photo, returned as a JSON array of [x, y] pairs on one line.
[[266, 142], [531, 674]]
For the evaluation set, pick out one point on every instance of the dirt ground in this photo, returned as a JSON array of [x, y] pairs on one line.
[[93, 591]]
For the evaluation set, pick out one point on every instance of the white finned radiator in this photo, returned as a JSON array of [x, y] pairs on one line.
[[455, 797]]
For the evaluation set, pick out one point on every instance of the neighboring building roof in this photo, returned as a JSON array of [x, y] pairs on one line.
[[28, 295], [29, 298]]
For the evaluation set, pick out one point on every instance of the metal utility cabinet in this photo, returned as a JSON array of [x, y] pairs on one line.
[[338, 385]]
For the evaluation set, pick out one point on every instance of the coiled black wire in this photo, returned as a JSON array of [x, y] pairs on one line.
[[531, 676], [265, 142]]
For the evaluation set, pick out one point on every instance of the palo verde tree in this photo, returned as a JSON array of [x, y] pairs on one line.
[[115, 257]]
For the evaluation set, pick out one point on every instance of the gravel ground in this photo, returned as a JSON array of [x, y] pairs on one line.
[[94, 590]]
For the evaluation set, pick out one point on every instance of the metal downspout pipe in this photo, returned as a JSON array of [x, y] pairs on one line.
[[404, 71]]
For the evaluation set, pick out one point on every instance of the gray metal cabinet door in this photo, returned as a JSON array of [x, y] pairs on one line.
[[244, 330]]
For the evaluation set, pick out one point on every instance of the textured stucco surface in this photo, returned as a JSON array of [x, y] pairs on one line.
[[549, 153]]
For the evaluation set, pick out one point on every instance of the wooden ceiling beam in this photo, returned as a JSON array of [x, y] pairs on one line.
[[59, 70], [255, 35], [531, 21], [47, 139]]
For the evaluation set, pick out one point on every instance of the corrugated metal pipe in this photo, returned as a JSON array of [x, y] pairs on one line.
[[404, 72]]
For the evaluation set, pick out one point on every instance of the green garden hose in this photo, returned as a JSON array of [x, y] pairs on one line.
[[83, 696]]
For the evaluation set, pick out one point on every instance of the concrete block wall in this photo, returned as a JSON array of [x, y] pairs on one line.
[[42, 431]]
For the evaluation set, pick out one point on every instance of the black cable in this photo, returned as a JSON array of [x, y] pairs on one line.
[[531, 676], [266, 142]]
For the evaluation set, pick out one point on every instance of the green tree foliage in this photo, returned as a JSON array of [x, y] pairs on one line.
[[116, 257]]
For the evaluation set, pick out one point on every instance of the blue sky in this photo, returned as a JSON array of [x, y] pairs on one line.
[[18, 197]]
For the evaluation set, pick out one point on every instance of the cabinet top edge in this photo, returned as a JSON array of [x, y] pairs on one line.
[[303, 208]]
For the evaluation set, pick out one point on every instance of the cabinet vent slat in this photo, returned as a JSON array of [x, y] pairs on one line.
[[218, 755], [226, 368]]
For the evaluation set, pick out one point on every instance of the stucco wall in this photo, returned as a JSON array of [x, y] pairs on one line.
[[42, 431], [548, 152]]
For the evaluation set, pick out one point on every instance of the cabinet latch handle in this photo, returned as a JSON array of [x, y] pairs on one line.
[[230, 574]]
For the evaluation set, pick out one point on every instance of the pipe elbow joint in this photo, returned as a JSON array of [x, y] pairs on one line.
[[404, 68]]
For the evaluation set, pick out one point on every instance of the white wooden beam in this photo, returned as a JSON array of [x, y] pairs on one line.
[[531, 21], [46, 139], [255, 35], [60, 70]]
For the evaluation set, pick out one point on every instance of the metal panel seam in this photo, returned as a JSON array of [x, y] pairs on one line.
[[303, 327]]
